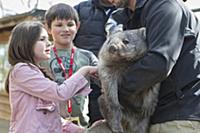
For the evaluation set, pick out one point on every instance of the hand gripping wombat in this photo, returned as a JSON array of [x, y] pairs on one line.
[[118, 51]]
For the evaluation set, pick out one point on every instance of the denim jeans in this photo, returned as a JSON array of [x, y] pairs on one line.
[[176, 127]]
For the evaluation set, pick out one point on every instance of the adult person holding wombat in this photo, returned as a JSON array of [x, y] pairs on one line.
[[172, 58]]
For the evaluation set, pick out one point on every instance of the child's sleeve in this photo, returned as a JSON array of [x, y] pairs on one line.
[[31, 81], [93, 60]]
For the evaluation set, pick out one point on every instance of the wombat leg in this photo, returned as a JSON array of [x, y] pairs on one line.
[[115, 120], [103, 106], [142, 126], [115, 107], [112, 115]]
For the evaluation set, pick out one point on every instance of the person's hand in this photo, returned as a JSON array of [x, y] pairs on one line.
[[88, 70], [69, 127], [93, 72]]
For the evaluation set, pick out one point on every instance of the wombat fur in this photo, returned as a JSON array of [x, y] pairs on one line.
[[130, 114]]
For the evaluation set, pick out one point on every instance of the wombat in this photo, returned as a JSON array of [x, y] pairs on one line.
[[117, 53]]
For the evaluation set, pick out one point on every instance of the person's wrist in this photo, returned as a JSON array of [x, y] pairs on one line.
[[84, 71]]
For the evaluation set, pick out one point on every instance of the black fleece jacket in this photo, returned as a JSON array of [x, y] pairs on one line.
[[173, 58]]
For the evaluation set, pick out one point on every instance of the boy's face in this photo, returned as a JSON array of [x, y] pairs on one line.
[[63, 32]]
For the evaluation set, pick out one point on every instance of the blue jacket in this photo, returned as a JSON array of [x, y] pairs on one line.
[[93, 17], [173, 58]]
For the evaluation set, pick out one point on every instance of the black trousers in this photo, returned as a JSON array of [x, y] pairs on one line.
[[94, 112]]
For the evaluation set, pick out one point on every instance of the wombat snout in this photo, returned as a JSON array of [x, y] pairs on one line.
[[112, 49]]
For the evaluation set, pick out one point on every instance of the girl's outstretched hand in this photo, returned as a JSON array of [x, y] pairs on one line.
[[88, 71]]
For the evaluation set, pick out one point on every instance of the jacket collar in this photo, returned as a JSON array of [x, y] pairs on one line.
[[140, 3]]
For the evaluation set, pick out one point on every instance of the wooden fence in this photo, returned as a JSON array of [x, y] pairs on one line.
[[4, 106]]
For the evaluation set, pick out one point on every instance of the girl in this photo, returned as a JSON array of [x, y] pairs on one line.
[[34, 97]]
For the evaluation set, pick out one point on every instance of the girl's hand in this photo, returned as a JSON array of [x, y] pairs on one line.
[[88, 70], [93, 72]]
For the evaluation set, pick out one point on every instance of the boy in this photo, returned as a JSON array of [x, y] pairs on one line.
[[62, 23]]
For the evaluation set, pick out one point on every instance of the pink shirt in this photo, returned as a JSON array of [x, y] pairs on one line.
[[34, 99]]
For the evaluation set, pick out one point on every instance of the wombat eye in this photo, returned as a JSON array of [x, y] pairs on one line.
[[125, 41]]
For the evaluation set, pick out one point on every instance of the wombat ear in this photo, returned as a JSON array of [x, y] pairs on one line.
[[143, 32]]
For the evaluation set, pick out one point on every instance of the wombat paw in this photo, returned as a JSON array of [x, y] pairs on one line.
[[118, 132], [117, 129]]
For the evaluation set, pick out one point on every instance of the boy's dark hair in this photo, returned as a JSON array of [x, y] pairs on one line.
[[60, 11]]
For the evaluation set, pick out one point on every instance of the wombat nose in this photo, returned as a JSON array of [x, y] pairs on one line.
[[112, 49]]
